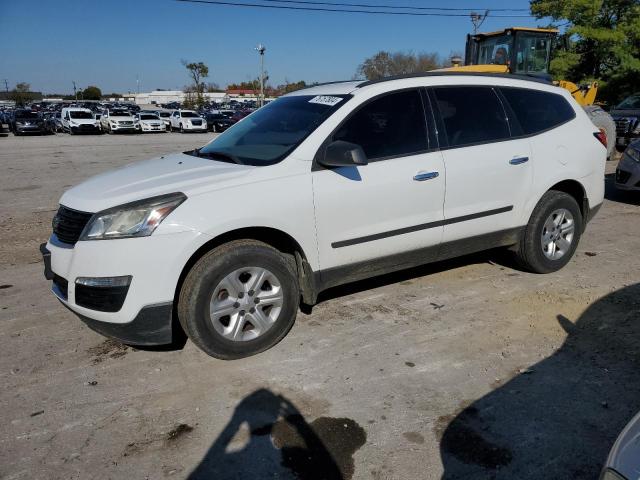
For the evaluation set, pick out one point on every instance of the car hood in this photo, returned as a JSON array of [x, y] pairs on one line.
[[172, 173], [120, 119], [616, 113]]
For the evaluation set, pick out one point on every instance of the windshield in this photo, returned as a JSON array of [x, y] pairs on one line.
[[630, 103], [148, 117], [80, 114], [216, 117], [119, 113], [188, 115], [270, 133], [165, 114], [27, 114]]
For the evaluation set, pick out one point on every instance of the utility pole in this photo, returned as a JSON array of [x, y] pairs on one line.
[[477, 19], [75, 90], [261, 48], [6, 85]]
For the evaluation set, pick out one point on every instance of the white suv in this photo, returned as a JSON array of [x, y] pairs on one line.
[[325, 186], [187, 121]]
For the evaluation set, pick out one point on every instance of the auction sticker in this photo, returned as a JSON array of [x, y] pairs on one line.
[[326, 100]]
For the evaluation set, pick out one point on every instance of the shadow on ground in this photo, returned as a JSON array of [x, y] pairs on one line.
[[268, 437], [620, 196], [561, 416]]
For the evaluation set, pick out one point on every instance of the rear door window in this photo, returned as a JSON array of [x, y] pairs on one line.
[[538, 111], [390, 126], [471, 115]]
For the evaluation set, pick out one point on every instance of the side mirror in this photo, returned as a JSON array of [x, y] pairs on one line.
[[343, 154]]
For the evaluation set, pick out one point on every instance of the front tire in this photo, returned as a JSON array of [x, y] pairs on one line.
[[239, 299], [551, 237]]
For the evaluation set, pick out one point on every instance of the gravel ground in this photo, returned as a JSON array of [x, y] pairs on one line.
[[469, 368]]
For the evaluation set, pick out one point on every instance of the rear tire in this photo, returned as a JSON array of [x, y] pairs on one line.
[[556, 216], [211, 285]]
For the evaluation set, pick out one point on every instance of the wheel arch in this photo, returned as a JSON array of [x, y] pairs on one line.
[[578, 192], [274, 237]]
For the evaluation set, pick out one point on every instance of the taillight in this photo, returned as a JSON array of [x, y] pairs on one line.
[[601, 136]]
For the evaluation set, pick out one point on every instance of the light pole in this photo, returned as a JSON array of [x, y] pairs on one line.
[[261, 48], [75, 91]]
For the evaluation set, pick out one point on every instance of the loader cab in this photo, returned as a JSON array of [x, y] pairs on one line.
[[518, 50]]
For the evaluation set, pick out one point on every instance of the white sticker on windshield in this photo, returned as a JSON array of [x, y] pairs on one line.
[[326, 100]]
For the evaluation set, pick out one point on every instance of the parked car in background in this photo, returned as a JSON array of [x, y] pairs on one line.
[[187, 121], [239, 115], [623, 462], [216, 122], [329, 185], [117, 120], [27, 121], [50, 122], [148, 122], [626, 115], [165, 115], [57, 118], [628, 170], [79, 120]]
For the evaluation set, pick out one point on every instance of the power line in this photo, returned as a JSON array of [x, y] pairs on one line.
[[397, 7], [323, 9]]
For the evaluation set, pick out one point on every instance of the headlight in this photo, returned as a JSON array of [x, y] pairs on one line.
[[19, 123], [71, 122], [136, 219], [113, 122], [633, 153]]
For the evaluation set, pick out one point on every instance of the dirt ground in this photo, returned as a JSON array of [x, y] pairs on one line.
[[464, 369]]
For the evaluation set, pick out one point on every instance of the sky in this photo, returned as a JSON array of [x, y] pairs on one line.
[[50, 43]]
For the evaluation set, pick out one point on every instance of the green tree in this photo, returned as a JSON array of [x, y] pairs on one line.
[[197, 71], [91, 93], [387, 64], [603, 43]]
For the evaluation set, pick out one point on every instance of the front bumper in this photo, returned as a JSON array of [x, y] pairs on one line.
[[123, 128], [153, 128], [30, 128], [198, 128], [628, 174], [85, 128], [154, 263]]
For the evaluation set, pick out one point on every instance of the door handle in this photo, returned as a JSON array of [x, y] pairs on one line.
[[518, 160], [422, 176]]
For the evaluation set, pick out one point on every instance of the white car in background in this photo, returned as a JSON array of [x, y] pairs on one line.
[[149, 122], [187, 121], [117, 120], [79, 120]]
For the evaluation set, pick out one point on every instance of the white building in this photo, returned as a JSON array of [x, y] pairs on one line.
[[158, 97]]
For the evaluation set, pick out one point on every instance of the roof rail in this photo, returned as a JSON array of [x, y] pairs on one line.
[[529, 77]]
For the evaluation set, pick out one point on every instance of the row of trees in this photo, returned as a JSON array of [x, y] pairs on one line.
[[603, 43]]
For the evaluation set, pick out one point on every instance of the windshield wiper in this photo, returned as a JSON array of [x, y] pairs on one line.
[[225, 157]]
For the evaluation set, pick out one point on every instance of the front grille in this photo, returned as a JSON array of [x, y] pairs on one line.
[[125, 122], [68, 224], [625, 125], [196, 122], [622, 176], [86, 126], [103, 299], [61, 285]]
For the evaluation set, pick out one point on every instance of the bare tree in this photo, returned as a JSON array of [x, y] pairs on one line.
[[197, 71]]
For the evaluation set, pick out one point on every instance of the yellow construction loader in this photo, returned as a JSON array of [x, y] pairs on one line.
[[527, 51]]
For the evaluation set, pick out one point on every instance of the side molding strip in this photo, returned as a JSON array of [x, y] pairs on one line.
[[423, 226]]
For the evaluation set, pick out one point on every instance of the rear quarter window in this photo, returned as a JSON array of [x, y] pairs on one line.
[[538, 111]]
